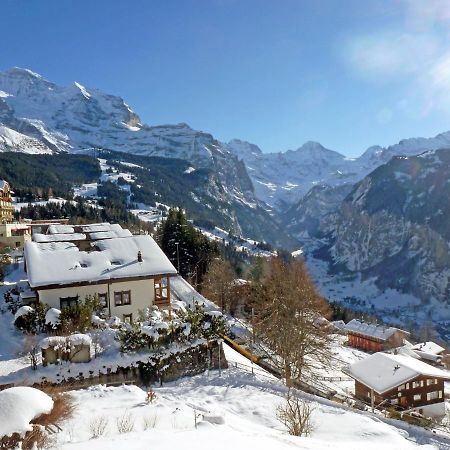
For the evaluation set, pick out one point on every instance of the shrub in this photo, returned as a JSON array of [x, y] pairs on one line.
[[97, 426], [63, 409], [79, 317], [150, 421], [34, 321], [295, 414], [125, 423]]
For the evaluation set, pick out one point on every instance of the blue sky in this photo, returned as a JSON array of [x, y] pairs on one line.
[[277, 73]]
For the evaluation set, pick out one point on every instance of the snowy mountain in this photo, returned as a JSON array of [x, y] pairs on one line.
[[394, 226], [282, 179], [38, 116]]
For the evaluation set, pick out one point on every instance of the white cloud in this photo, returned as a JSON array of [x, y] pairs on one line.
[[390, 53], [414, 51]]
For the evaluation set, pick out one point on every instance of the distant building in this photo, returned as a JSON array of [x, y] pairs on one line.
[[400, 381], [129, 274], [372, 337], [6, 208], [14, 235], [82, 236], [429, 351]]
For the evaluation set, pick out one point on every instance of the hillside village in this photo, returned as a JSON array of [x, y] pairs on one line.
[[94, 304]]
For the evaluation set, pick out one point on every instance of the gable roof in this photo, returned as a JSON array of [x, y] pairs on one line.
[[115, 258], [428, 347], [383, 372], [372, 330]]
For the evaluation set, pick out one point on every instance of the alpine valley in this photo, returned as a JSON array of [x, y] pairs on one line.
[[375, 230]]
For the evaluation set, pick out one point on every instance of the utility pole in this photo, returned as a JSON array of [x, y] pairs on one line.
[[178, 255]]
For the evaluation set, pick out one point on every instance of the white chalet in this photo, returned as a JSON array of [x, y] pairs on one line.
[[127, 273]]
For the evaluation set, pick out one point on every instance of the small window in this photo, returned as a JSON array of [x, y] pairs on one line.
[[401, 387], [115, 263], [17, 244], [122, 298], [67, 302], [417, 397], [128, 318], [83, 265], [103, 299], [407, 386]]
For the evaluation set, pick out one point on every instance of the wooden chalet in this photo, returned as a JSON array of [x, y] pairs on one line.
[[400, 381], [373, 337], [128, 274]]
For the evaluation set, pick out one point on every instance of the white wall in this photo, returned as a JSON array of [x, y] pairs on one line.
[[142, 295], [434, 410]]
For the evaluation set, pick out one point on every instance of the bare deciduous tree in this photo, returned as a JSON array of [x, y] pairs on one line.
[[217, 283], [295, 414], [287, 308], [31, 349]]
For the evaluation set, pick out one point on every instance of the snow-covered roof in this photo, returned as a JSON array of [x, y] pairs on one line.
[[110, 234], [372, 330], [20, 405], [98, 227], [428, 347], [60, 229], [52, 246], [95, 231], [59, 237], [3, 184], [116, 258], [383, 371]]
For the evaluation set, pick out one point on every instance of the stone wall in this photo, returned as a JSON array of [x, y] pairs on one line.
[[192, 361]]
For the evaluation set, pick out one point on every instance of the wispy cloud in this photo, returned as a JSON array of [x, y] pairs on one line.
[[414, 50]]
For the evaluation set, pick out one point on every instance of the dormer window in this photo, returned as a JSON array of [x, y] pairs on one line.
[[83, 265], [115, 263]]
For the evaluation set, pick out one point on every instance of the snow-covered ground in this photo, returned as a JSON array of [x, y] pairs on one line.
[[235, 410], [19, 205], [241, 244]]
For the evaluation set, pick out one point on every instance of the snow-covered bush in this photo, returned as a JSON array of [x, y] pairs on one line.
[[199, 323], [31, 320]]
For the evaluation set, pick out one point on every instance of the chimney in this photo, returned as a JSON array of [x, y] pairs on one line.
[[139, 256]]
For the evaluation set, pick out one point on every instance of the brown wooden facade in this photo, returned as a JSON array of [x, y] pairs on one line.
[[373, 344], [420, 391]]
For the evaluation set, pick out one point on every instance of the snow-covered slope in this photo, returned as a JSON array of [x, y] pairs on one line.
[[236, 410], [282, 178]]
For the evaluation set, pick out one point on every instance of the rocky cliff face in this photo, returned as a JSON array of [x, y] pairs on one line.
[[395, 225], [305, 218]]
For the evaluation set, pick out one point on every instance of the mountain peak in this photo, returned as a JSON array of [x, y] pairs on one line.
[[23, 72]]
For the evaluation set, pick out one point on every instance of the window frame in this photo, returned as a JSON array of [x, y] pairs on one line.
[[103, 295], [71, 301], [121, 302]]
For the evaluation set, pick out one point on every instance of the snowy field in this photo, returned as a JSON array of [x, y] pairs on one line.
[[235, 410]]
